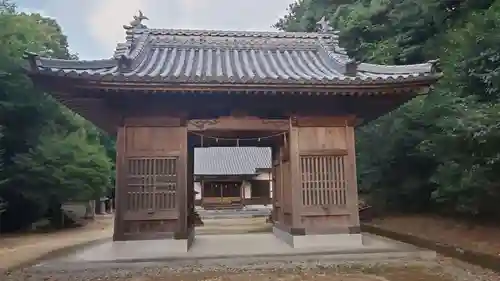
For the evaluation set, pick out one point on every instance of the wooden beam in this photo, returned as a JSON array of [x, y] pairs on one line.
[[322, 152], [150, 121], [238, 123], [324, 121], [270, 89]]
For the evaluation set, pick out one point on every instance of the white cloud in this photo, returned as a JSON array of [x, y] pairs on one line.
[[94, 27], [104, 19], [105, 22]]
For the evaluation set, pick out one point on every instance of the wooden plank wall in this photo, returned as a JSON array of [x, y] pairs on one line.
[[152, 184], [323, 182], [282, 180]]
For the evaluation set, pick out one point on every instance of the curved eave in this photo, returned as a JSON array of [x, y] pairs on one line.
[[84, 65], [380, 69], [36, 63], [148, 81]]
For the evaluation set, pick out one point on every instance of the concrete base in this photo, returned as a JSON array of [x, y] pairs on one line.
[[336, 241], [149, 248], [227, 249]]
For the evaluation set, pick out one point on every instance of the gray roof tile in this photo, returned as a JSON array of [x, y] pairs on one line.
[[231, 160], [205, 56]]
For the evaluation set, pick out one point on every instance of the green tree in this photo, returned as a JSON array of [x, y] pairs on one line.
[[65, 166], [50, 155], [438, 152]]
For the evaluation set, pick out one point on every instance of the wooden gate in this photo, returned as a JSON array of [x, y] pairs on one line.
[[153, 183], [151, 195]]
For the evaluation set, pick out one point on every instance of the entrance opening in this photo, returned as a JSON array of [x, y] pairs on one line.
[[233, 180], [232, 177], [221, 194]]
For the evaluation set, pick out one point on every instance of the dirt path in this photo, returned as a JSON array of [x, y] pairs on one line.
[[312, 270], [396, 271], [479, 238], [22, 249], [443, 269]]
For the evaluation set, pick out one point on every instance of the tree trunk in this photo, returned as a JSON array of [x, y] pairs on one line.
[[90, 210], [98, 205]]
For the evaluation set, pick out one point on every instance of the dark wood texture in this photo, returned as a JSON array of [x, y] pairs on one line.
[[313, 174], [152, 182]]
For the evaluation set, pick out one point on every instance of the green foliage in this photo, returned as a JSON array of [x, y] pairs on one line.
[[49, 154], [65, 166], [439, 151]]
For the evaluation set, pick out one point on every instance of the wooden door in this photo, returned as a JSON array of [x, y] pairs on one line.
[[153, 206]]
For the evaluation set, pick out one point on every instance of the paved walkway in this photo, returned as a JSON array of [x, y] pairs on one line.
[[229, 248], [26, 248]]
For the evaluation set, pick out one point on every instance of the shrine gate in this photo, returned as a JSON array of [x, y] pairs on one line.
[[298, 93]]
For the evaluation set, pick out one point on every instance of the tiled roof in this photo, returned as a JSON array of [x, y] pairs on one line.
[[231, 160], [191, 56]]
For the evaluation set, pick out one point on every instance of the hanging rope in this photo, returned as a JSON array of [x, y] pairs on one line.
[[238, 139]]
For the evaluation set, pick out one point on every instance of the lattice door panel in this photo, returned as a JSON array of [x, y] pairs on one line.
[[151, 184], [323, 180]]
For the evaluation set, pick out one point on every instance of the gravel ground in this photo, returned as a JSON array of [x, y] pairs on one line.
[[441, 269], [468, 235]]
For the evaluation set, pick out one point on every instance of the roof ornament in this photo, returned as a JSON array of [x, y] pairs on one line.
[[351, 68], [324, 25], [32, 60], [435, 66], [137, 22]]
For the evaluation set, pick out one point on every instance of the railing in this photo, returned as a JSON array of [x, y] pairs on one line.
[[323, 180]]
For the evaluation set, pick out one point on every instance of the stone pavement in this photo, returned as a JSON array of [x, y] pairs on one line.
[[25, 249], [228, 248], [21, 250]]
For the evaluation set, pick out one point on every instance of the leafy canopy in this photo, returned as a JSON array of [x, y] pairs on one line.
[[48, 153], [437, 152]]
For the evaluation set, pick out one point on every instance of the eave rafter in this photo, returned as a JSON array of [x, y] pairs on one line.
[[346, 89]]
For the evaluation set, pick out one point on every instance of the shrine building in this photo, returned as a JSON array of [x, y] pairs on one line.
[[232, 177], [166, 91]]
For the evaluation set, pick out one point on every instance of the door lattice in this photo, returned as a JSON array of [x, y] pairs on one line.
[[151, 184]]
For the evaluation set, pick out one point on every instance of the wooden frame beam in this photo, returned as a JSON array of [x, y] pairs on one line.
[[238, 124]]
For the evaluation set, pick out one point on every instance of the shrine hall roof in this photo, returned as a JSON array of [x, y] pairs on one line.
[[212, 161], [231, 57]]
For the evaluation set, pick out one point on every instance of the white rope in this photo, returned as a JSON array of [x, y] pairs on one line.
[[238, 139]]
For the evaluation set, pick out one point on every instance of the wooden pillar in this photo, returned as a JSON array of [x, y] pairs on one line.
[[182, 186], [119, 231], [281, 179], [190, 187], [274, 199], [352, 193], [202, 193], [242, 194], [295, 180]]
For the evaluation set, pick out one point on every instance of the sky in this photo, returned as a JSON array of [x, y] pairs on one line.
[[93, 27]]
